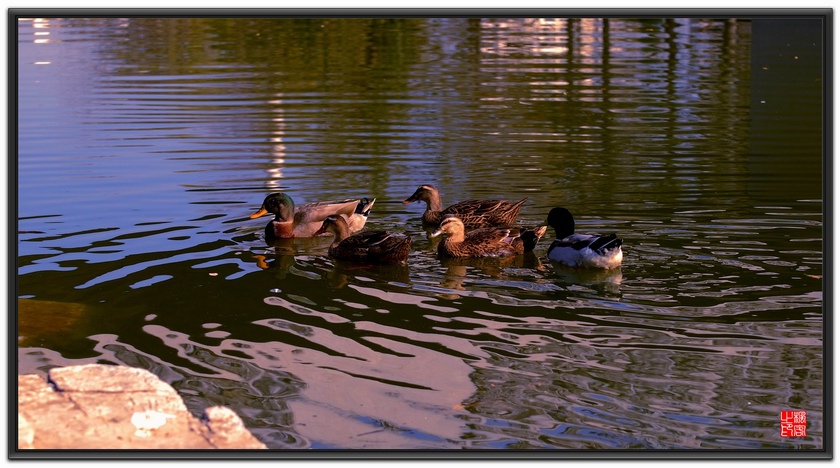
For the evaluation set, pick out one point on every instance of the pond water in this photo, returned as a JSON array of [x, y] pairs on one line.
[[145, 144]]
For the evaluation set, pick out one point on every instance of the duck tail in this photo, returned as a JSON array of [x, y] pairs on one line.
[[516, 206], [606, 243], [364, 206]]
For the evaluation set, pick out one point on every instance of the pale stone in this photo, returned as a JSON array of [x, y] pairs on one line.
[[227, 430], [26, 434], [116, 407]]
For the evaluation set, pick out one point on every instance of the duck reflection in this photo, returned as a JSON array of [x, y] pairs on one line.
[[603, 280], [283, 255], [457, 269], [342, 273], [280, 255]]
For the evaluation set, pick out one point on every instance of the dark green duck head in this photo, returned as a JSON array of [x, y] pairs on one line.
[[280, 204]]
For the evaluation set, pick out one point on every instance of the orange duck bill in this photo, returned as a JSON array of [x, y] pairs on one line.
[[262, 212]]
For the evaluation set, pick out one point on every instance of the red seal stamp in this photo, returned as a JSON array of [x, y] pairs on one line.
[[793, 423]]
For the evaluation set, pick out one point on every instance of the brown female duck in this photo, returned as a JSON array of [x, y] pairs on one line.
[[303, 221], [380, 247], [485, 242], [473, 213]]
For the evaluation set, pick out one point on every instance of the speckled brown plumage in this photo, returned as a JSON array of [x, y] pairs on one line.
[[485, 242], [473, 213], [379, 247]]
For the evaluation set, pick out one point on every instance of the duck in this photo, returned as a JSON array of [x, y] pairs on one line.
[[484, 242], [473, 213], [377, 247], [303, 221], [581, 250]]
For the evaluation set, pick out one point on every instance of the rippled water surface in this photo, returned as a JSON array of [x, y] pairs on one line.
[[145, 144]]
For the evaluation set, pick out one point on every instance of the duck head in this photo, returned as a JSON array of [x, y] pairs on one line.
[[423, 193], [280, 204], [450, 227], [562, 221], [333, 224]]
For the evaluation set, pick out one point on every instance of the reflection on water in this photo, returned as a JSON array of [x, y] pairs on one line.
[[145, 144]]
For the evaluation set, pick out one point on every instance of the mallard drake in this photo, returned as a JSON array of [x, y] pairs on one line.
[[382, 247], [581, 250], [303, 221], [473, 213], [484, 242]]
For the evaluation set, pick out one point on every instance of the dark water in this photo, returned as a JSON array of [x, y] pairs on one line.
[[144, 144]]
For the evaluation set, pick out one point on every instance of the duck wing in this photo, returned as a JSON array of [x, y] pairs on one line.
[[366, 239], [475, 207], [373, 246], [317, 211], [602, 244], [574, 242], [596, 243], [487, 236], [482, 213]]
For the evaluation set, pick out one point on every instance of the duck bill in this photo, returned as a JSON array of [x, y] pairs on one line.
[[436, 233], [262, 212], [413, 198]]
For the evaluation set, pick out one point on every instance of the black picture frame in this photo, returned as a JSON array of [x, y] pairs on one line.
[[825, 15]]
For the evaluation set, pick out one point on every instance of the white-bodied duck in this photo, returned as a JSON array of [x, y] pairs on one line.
[[581, 250]]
